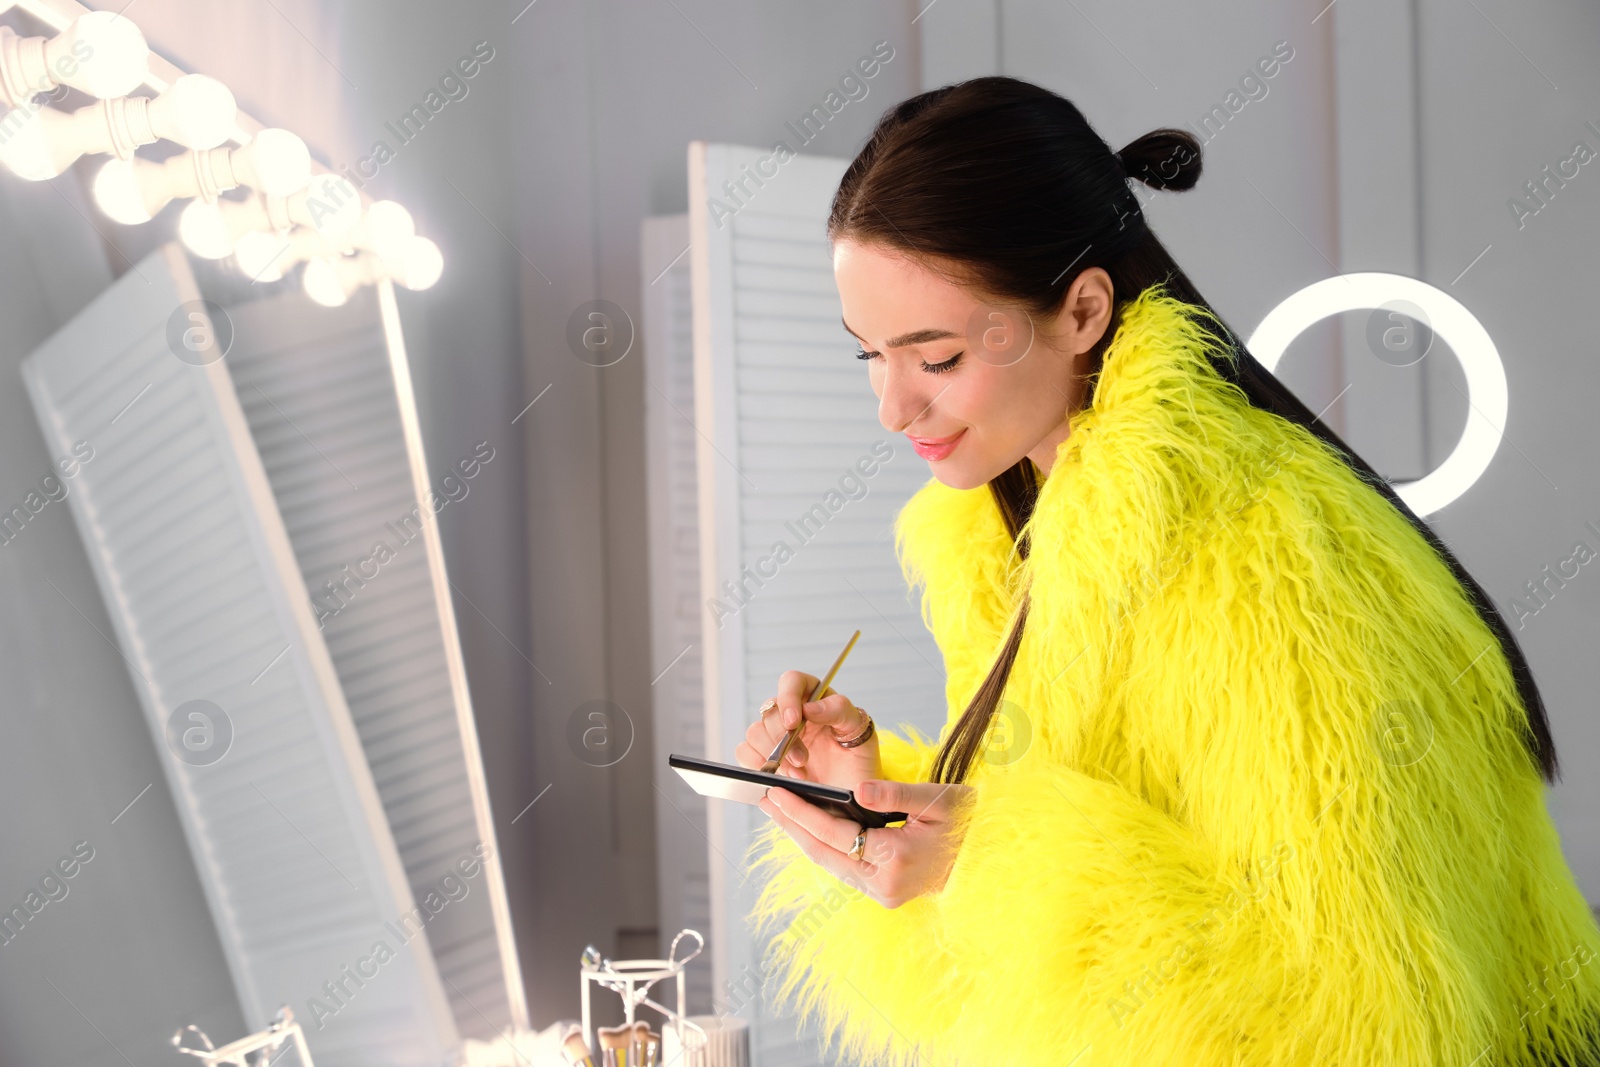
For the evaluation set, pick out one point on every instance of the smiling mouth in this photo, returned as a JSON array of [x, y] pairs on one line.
[[935, 448]]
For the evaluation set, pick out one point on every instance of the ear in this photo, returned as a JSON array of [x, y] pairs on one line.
[[1086, 309]]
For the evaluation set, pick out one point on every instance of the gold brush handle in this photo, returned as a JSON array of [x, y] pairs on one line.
[[775, 760]]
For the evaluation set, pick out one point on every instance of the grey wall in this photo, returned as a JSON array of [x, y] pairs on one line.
[[1503, 96], [129, 954]]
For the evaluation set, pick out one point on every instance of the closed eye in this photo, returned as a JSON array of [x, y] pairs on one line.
[[931, 368]]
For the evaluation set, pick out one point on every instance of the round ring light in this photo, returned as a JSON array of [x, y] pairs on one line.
[[1486, 375]]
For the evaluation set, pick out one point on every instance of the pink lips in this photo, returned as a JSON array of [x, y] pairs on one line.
[[934, 449]]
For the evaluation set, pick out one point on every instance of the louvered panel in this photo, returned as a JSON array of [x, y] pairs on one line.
[[759, 308], [797, 379], [298, 864], [798, 281], [808, 322], [318, 388], [757, 244], [791, 501], [788, 411], [780, 408], [676, 613]]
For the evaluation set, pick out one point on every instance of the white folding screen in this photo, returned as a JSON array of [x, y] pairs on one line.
[[327, 395], [677, 693], [798, 488], [283, 820]]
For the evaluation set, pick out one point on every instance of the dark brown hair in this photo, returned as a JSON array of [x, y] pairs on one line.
[[1004, 186]]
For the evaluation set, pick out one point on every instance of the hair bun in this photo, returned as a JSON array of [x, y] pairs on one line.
[[1163, 159]]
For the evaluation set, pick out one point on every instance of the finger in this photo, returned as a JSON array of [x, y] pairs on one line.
[[794, 689], [746, 755], [931, 801], [768, 749], [764, 733], [807, 841], [836, 862], [839, 833], [767, 730], [834, 711], [755, 734]]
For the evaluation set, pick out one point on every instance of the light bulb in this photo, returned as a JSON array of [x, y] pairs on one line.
[[258, 253], [118, 60], [210, 228], [36, 149], [203, 173], [415, 263], [45, 143], [276, 162], [389, 229], [204, 231], [330, 205], [196, 112], [323, 283], [117, 192], [422, 264], [134, 190], [101, 53]]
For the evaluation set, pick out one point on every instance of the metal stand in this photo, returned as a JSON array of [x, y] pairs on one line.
[[264, 1044], [624, 977]]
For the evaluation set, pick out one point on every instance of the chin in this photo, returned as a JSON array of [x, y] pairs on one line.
[[960, 476]]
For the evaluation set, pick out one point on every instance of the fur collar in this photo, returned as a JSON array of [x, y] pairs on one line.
[[1168, 451]]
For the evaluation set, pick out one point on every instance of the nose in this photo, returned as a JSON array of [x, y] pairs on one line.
[[901, 398]]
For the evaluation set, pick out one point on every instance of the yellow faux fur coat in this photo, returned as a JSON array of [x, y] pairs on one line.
[[1264, 797]]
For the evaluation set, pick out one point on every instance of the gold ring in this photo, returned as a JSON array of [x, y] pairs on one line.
[[860, 847], [770, 705]]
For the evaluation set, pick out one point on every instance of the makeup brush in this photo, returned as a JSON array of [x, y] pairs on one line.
[[775, 760], [636, 1043], [576, 1049], [615, 1041]]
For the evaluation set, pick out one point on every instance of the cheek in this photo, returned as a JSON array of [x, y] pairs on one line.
[[982, 397], [1002, 406]]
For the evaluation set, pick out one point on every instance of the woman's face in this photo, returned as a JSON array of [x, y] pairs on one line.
[[974, 386]]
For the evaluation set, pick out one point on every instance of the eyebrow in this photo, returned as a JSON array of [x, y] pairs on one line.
[[915, 337]]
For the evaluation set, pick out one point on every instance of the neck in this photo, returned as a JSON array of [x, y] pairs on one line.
[[1044, 453]]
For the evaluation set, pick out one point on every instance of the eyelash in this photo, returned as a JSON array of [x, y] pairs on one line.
[[932, 368]]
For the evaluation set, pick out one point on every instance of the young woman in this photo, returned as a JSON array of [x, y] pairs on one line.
[[1241, 766]]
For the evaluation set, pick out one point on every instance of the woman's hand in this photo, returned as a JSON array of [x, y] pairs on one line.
[[815, 755], [900, 863]]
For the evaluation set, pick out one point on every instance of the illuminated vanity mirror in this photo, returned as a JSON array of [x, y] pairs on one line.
[[253, 497]]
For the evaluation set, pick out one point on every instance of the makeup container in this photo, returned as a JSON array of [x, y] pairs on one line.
[[714, 1041], [634, 1043]]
